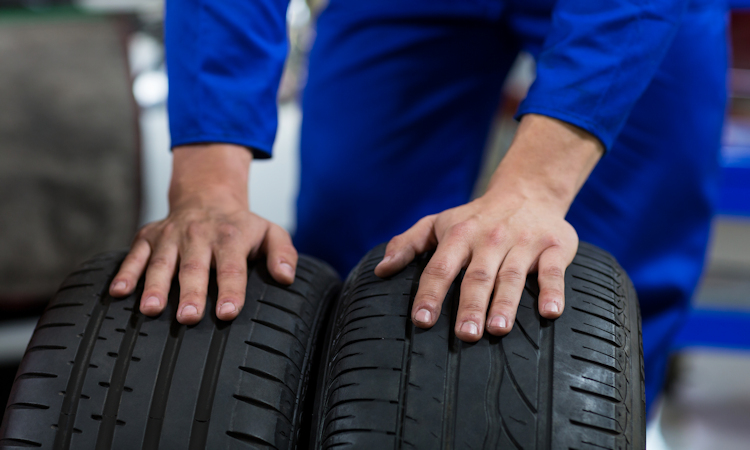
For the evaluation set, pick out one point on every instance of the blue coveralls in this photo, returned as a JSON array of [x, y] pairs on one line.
[[401, 94]]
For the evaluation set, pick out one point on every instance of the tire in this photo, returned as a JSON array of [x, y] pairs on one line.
[[572, 383], [98, 374]]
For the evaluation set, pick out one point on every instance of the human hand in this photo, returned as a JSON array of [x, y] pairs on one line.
[[517, 227], [209, 223]]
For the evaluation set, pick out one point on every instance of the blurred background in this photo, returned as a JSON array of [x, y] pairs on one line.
[[85, 161]]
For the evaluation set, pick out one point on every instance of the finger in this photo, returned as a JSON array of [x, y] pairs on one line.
[[131, 269], [437, 277], [195, 265], [402, 249], [476, 291], [509, 284], [282, 256], [552, 264], [231, 273], [159, 273]]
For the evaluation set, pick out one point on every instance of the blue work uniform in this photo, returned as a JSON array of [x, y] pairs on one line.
[[401, 94]]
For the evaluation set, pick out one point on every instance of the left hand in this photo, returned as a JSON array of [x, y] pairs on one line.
[[517, 227]]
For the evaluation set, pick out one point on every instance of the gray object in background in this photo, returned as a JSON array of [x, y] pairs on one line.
[[69, 140]]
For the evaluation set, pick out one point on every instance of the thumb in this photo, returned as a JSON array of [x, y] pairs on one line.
[[402, 249]]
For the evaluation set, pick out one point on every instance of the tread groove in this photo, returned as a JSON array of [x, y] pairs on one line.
[[74, 286], [607, 341], [510, 436], [594, 427], [163, 381], [249, 439], [267, 376], [55, 325], [82, 271], [78, 371], [492, 398], [272, 350], [281, 308], [597, 363], [515, 384], [526, 335], [20, 443], [596, 394], [607, 319], [260, 404], [199, 431], [406, 357], [117, 382], [22, 405], [278, 328], [451, 376], [63, 305]]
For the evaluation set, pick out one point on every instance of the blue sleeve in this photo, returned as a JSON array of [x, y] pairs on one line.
[[597, 60], [224, 62]]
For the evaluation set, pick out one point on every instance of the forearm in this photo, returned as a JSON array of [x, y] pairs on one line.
[[207, 170], [548, 161]]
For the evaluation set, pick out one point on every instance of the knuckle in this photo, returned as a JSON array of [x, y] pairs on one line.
[[232, 294], [552, 292], [194, 296], [230, 270], [142, 234], [160, 262], [462, 229], [438, 269], [524, 239], [551, 240], [511, 275], [552, 272], [496, 237], [397, 241], [168, 229], [227, 232], [479, 276], [192, 266], [503, 303], [473, 306], [429, 298], [195, 230]]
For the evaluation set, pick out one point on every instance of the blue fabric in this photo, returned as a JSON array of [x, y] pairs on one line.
[[224, 61], [395, 117], [649, 201]]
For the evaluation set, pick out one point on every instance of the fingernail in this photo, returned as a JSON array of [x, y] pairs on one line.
[[423, 316], [189, 310], [385, 260], [552, 307], [151, 302], [120, 285], [287, 269], [470, 327], [498, 322], [227, 308]]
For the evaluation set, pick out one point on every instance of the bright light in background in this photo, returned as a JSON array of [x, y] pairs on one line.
[[150, 88]]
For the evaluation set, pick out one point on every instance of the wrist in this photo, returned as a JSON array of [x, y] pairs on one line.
[[548, 162], [207, 172]]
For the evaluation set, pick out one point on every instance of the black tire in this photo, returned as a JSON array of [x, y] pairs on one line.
[[98, 374], [572, 383]]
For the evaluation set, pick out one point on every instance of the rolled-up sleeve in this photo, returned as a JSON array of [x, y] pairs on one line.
[[598, 59], [224, 63]]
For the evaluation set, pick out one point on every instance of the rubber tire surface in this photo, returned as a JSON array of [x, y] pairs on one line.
[[98, 374], [572, 383]]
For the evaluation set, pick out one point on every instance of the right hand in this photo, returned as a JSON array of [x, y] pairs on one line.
[[209, 224]]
